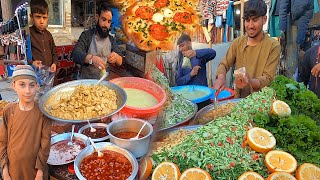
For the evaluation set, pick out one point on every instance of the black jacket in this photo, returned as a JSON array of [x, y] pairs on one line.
[[80, 51], [309, 61], [301, 11]]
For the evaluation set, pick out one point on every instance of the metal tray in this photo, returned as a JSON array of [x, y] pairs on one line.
[[159, 136], [195, 109], [66, 89], [210, 107]]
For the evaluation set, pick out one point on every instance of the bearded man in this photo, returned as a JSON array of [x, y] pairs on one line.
[[96, 48]]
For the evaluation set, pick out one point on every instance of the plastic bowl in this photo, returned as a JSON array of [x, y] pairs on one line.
[[145, 85], [226, 94]]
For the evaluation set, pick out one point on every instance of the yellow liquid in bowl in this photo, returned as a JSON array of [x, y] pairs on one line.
[[139, 98]]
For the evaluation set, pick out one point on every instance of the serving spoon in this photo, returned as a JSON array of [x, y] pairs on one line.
[[70, 143], [92, 129], [100, 154], [137, 136], [103, 77]]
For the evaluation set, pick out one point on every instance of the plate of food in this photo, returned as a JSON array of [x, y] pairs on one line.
[[81, 100]]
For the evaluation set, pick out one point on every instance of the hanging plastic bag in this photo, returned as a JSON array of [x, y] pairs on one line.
[[45, 79], [186, 63]]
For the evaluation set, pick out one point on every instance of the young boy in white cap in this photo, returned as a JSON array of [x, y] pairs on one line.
[[25, 133]]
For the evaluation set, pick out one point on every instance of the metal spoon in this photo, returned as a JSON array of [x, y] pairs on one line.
[[91, 128], [103, 77], [70, 143], [100, 154], [137, 136], [215, 103]]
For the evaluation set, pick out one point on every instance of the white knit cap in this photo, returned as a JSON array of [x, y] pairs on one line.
[[23, 72]]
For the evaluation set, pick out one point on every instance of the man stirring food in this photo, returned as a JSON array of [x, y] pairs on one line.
[[96, 47]]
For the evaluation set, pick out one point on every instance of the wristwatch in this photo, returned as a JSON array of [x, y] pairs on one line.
[[90, 60]]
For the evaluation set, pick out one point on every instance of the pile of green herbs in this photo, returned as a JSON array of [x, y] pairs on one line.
[[301, 100], [299, 133], [177, 108], [219, 147]]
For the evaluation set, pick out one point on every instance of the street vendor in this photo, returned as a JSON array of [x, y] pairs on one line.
[[25, 133], [191, 69], [96, 47], [256, 53]]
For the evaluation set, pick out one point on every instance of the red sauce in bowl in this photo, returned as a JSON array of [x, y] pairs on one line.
[[127, 135], [100, 132], [112, 165]]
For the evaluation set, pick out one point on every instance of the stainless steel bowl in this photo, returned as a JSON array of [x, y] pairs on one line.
[[66, 89], [95, 125], [138, 147], [210, 107], [67, 136], [183, 121], [105, 146]]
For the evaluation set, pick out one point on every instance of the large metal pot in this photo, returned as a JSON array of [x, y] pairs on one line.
[[66, 89], [106, 146], [95, 125], [138, 147]]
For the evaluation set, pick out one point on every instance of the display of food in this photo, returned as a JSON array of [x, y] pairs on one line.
[[2, 105], [169, 140], [139, 98], [62, 153], [179, 109], [219, 146], [127, 135], [158, 23], [99, 133], [112, 165], [213, 114], [86, 102]]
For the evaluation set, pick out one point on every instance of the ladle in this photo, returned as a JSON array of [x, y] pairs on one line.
[[100, 154], [91, 128], [70, 143], [137, 136]]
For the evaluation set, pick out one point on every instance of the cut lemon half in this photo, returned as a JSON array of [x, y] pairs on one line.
[[166, 171], [308, 171], [260, 140], [145, 168], [280, 109], [195, 174], [280, 161], [250, 176], [281, 176]]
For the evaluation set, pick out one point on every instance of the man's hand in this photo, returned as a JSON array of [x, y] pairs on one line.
[[316, 70], [194, 71], [114, 58], [39, 175], [37, 63], [5, 173], [53, 68], [220, 82], [189, 53], [99, 62]]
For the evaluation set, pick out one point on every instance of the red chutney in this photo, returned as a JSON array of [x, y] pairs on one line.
[[111, 166], [100, 133], [127, 135]]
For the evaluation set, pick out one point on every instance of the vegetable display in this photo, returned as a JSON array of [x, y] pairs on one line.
[[219, 147]]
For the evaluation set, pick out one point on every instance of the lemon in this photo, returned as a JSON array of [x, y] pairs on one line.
[[280, 109]]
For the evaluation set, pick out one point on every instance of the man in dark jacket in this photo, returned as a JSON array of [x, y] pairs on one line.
[[95, 47], [311, 69], [192, 63], [301, 11]]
